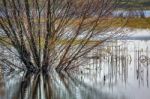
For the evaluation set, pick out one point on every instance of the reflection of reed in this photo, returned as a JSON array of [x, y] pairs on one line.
[[115, 61], [142, 65], [144, 60]]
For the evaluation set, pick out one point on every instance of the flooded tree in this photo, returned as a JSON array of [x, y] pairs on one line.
[[54, 34]]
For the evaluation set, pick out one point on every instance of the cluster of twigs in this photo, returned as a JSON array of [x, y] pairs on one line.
[[54, 34]]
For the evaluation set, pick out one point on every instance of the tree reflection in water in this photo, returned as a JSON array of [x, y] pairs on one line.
[[117, 73], [52, 86]]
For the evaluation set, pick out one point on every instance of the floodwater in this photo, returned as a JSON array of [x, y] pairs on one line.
[[117, 70]]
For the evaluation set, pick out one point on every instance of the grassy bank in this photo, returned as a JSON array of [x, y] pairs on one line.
[[132, 22], [140, 23]]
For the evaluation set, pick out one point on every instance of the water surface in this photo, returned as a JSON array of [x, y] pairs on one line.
[[118, 70]]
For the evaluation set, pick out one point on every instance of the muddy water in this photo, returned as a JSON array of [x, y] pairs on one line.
[[118, 70]]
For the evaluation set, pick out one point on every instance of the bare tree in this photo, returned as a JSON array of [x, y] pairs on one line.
[[54, 34]]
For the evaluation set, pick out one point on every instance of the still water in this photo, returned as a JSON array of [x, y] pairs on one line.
[[145, 13], [117, 70]]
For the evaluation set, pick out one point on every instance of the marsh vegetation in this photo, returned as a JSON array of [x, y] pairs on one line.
[[72, 49]]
